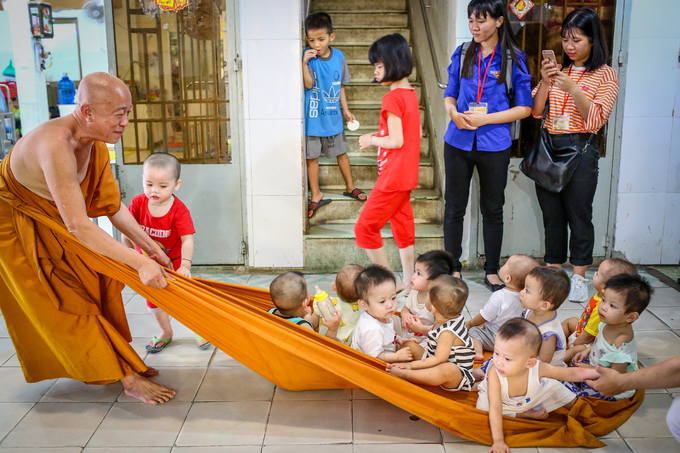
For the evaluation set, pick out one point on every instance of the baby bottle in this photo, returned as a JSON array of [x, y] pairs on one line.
[[324, 304]]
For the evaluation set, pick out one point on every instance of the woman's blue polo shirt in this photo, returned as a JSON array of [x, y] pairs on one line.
[[491, 137]]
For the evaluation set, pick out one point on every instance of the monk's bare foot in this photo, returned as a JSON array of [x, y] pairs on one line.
[[478, 374], [534, 415], [145, 390], [149, 372]]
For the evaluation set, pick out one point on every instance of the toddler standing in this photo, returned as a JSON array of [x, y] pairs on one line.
[[624, 299], [503, 304], [168, 222], [398, 142]]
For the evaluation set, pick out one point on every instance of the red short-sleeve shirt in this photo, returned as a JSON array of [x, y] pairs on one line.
[[398, 168], [166, 230]]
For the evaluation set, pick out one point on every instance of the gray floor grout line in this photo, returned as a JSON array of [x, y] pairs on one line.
[[102, 421], [20, 420]]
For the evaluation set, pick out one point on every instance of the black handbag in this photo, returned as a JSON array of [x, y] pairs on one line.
[[552, 166]]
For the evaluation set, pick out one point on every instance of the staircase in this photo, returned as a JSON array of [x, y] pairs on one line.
[[329, 239]]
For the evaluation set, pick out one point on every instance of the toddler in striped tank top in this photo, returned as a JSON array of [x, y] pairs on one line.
[[448, 358]]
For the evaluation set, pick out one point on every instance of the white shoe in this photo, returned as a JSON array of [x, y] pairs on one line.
[[579, 289]]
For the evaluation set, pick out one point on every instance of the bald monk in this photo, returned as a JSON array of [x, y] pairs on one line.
[[65, 318]]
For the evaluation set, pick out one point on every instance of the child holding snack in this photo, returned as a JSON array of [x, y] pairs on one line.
[[347, 302]]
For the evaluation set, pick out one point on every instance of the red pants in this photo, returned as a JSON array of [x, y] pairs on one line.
[[380, 208]]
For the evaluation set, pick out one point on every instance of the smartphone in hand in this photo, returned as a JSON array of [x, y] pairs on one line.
[[549, 54]]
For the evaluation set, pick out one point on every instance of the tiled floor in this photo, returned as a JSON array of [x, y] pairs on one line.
[[221, 406]]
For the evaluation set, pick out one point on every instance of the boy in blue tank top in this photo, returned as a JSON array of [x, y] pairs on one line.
[[325, 71]]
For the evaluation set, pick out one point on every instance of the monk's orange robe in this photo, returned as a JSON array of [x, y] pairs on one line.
[[65, 318]]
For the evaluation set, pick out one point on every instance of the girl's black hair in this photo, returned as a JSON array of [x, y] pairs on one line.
[[438, 262], [589, 24], [394, 53], [493, 9]]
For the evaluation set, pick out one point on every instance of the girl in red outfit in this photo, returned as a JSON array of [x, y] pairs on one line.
[[398, 142]]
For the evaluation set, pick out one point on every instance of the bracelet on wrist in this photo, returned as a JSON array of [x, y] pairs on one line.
[[370, 139], [187, 259]]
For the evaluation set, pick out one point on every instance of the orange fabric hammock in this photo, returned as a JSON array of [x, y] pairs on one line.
[[298, 359], [292, 357]]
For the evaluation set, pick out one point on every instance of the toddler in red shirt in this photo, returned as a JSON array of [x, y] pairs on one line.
[[398, 142], [168, 222]]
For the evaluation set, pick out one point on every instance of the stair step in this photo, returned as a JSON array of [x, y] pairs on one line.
[[370, 93], [365, 173], [355, 53], [329, 6], [366, 35], [363, 72], [329, 247], [368, 115], [379, 19], [427, 208], [353, 143]]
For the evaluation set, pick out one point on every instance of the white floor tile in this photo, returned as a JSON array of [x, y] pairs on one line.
[[141, 425], [658, 444], [184, 380], [377, 421], [70, 391], [229, 449], [43, 450], [221, 359], [312, 395], [11, 414], [669, 315], [613, 446], [225, 423], [181, 352], [399, 448], [309, 422], [235, 384], [665, 297], [347, 448], [649, 420], [57, 425], [126, 450], [6, 350], [14, 388], [664, 344]]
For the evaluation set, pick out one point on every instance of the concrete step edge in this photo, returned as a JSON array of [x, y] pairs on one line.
[[416, 194], [346, 231], [368, 161]]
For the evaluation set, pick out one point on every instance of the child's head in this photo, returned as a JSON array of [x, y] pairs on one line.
[[429, 266], [515, 270], [447, 294], [392, 59], [344, 283], [319, 31], [376, 288], [545, 288], [160, 175], [289, 292], [608, 269], [624, 299], [516, 347]]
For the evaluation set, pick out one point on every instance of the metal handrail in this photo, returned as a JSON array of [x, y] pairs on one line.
[[435, 62]]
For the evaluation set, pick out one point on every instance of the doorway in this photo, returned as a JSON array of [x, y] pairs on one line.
[[176, 66]]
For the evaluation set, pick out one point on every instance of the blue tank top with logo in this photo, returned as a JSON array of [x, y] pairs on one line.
[[323, 113]]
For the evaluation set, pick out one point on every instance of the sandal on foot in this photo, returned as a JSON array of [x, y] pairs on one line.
[[155, 348], [203, 346], [355, 194], [315, 205]]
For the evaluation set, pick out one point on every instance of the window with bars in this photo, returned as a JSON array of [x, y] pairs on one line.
[[541, 29], [174, 65]]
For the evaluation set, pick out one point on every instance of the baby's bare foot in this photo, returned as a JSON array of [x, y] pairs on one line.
[[479, 357], [145, 390], [398, 372], [478, 374], [534, 415]]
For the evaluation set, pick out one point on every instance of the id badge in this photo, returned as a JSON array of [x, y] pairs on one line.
[[561, 122], [478, 107]]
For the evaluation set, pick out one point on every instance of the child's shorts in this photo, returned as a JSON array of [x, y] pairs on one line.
[[330, 146], [466, 382], [484, 336]]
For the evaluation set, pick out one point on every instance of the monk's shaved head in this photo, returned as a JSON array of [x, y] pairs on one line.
[[102, 88]]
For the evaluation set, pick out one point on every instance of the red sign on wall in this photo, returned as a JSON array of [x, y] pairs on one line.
[[171, 5], [521, 7]]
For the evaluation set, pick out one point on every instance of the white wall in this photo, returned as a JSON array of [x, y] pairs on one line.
[[272, 111], [5, 42], [648, 213]]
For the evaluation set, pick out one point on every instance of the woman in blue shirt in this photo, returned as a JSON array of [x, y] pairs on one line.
[[479, 132]]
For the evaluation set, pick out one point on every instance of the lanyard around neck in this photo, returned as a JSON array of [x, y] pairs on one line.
[[566, 95], [480, 87]]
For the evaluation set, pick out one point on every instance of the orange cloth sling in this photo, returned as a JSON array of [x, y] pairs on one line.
[[233, 318]]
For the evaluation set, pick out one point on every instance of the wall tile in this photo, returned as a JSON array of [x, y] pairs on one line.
[[645, 153], [646, 14], [266, 19], [639, 226], [673, 185], [652, 66], [277, 231], [670, 251], [275, 78], [276, 156]]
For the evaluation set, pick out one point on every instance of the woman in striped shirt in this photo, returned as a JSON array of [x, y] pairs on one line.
[[581, 95]]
